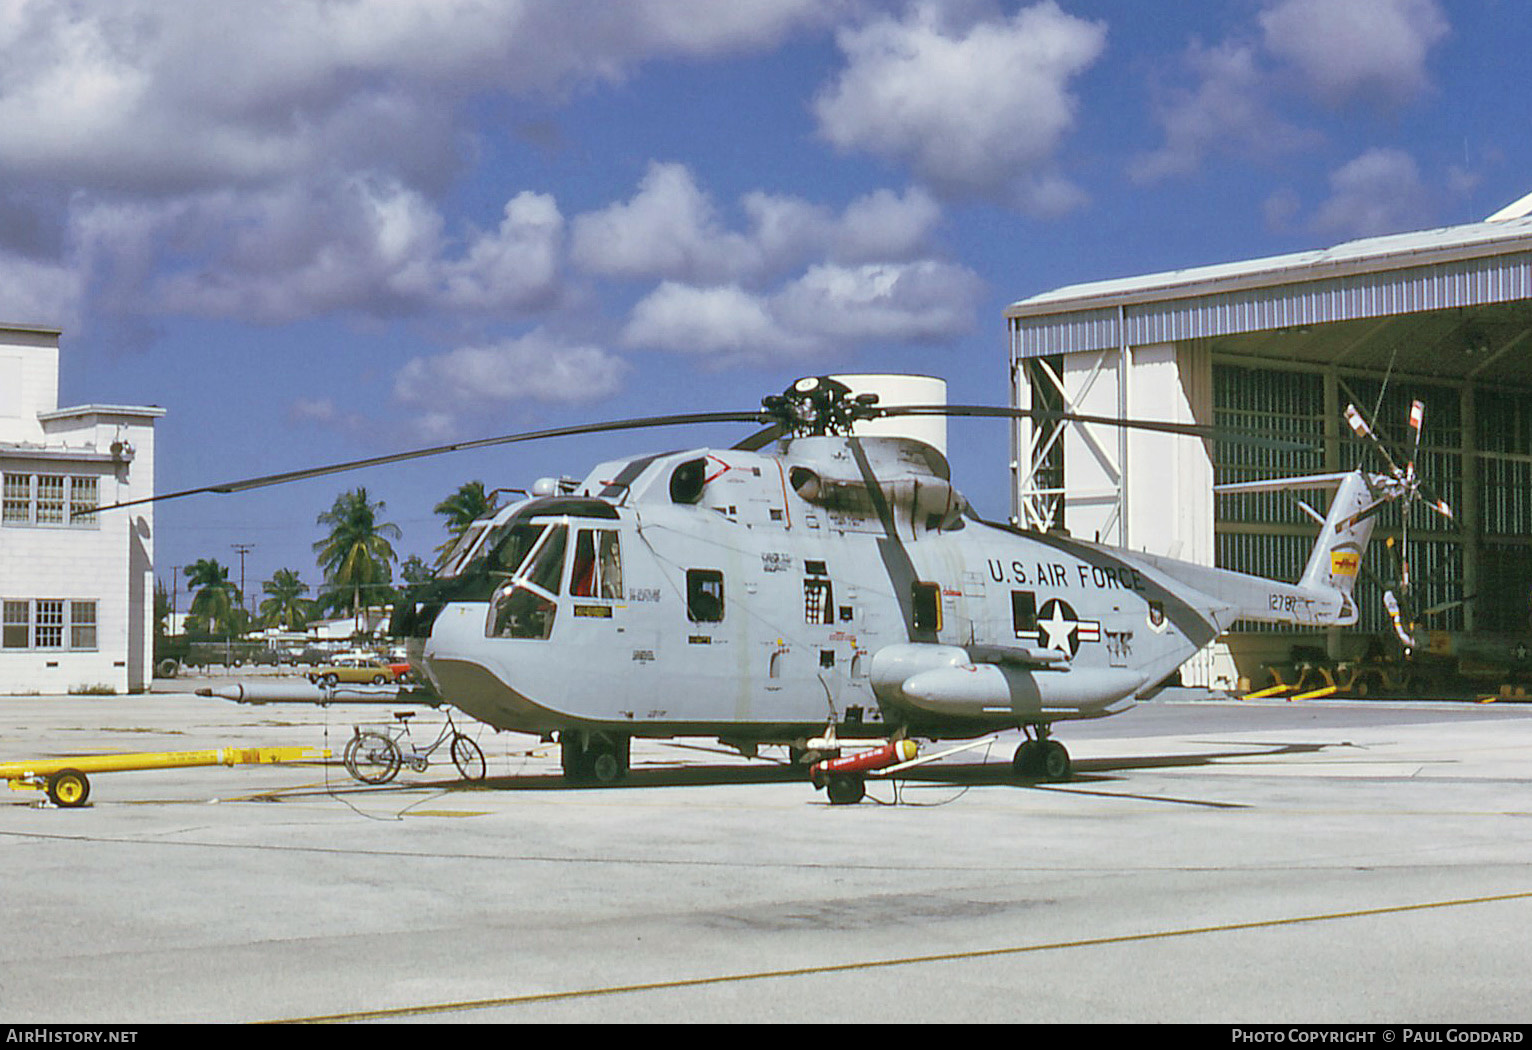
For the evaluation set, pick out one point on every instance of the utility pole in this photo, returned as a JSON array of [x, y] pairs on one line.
[[243, 549]]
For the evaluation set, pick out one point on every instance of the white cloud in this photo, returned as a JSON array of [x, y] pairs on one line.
[[39, 291], [884, 226], [172, 95], [358, 244], [829, 308], [908, 303], [1226, 110], [669, 228], [1361, 48], [537, 367], [1379, 192], [975, 108], [727, 324]]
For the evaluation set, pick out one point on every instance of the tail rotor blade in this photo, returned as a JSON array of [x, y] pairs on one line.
[[1417, 417], [1361, 515]]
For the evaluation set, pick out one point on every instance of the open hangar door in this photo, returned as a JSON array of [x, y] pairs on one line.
[[1362, 338]]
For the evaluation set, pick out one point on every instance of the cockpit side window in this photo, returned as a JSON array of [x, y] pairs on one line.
[[597, 569]]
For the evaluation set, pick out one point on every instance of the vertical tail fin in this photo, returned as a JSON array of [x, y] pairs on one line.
[[1322, 596], [1336, 559]]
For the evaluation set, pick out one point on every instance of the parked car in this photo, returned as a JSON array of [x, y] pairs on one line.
[[354, 669]]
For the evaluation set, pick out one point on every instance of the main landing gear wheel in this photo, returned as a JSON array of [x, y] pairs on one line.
[[1042, 759], [593, 758], [68, 788], [845, 790], [468, 757]]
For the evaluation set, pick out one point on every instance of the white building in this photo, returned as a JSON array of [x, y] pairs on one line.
[[76, 587]]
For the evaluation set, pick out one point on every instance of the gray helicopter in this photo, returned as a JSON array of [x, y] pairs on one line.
[[820, 586], [811, 586]]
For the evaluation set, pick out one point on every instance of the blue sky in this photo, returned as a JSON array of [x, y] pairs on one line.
[[315, 231]]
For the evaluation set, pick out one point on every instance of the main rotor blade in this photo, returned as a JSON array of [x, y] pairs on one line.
[[245, 484], [1197, 430], [761, 438]]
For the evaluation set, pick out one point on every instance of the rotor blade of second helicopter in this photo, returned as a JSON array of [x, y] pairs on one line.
[[246, 484]]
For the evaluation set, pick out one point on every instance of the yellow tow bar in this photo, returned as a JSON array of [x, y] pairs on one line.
[[65, 781]]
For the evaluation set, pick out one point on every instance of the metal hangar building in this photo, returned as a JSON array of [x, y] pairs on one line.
[[1284, 344]]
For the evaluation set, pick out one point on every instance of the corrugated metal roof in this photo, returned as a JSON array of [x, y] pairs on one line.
[[1476, 264]]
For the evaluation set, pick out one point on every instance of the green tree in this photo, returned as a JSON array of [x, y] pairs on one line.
[[216, 604], [414, 569], [284, 605], [460, 510], [356, 555], [161, 608]]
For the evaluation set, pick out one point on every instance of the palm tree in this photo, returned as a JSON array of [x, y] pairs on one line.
[[460, 510], [357, 553], [285, 605], [217, 600]]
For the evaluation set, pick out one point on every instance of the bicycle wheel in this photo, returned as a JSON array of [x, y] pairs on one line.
[[372, 758], [468, 758]]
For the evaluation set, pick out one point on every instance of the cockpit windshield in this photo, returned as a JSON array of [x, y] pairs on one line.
[[509, 546], [525, 606], [462, 548]]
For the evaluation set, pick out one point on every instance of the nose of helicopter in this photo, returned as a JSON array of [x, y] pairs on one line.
[[454, 660]]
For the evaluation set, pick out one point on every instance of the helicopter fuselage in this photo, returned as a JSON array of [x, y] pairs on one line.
[[762, 596]]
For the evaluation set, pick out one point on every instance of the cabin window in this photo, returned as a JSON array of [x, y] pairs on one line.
[[597, 571], [704, 595], [818, 601], [926, 607], [1024, 613]]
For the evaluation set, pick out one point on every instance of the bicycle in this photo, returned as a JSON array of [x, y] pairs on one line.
[[375, 756]]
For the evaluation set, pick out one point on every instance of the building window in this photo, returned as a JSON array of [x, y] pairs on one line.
[[48, 624], [82, 625], [17, 625], [18, 500], [50, 499], [83, 500]]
